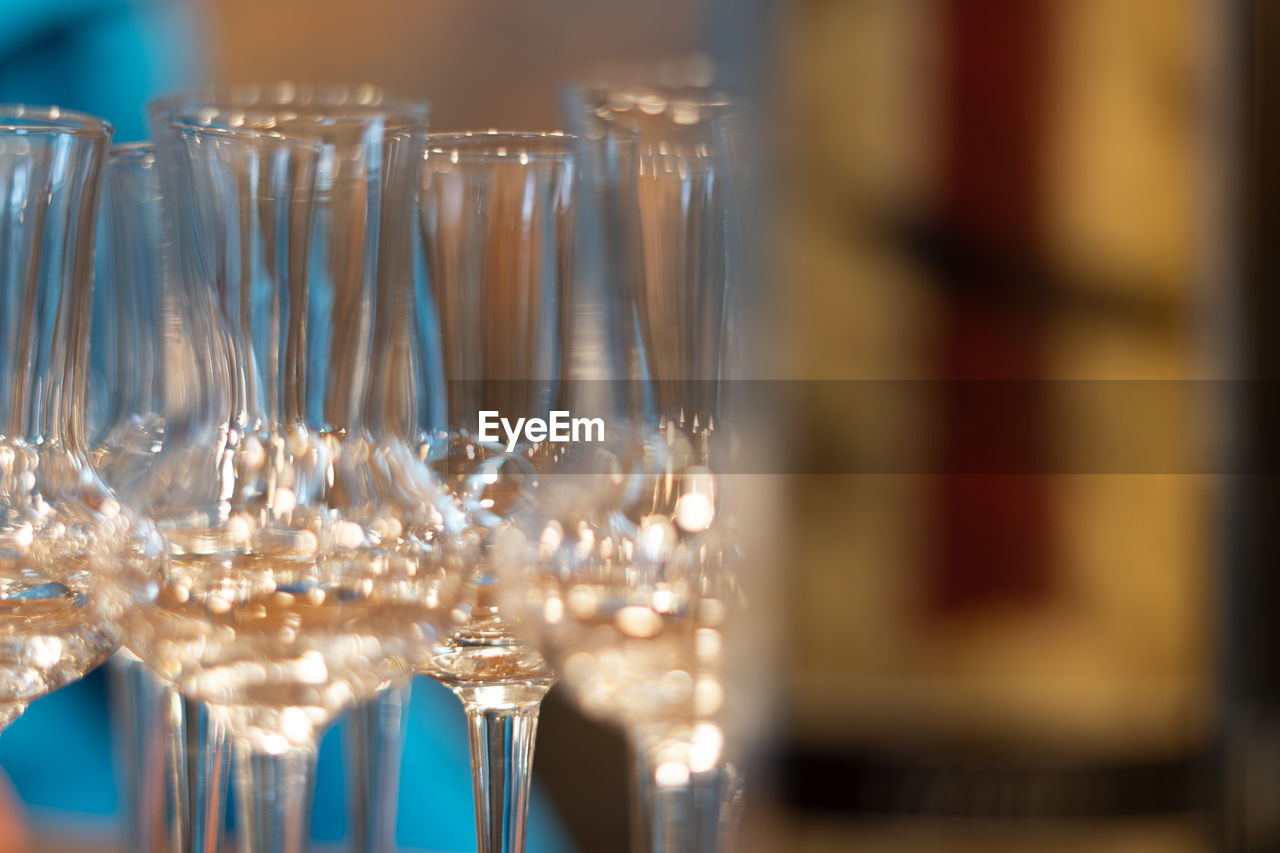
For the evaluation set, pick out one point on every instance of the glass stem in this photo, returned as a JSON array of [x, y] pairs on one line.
[[274, 798], [199, 779], [661, 806], [726, 809], [502, 721], [174, 758], [136, 706], [675, 810], [374, 749], [641, 795]]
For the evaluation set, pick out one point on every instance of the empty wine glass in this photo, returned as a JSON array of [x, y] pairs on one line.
[[174, 759], [627, 551], [492, 259], [58, 522], [302, 570]]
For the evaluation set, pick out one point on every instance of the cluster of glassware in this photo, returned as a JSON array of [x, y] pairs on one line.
[[287, 486]]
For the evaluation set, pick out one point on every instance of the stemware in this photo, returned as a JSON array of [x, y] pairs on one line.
[[58, 521], [628, 552], [173, 757], [302, 570], [492, 260]]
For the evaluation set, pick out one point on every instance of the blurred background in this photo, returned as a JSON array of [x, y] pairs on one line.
[[1076, 652]]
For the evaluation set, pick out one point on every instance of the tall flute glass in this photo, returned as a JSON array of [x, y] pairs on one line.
[[493, 260], [674, 201], [629, 553], [58, 521], [303, 570], [666, 159], [173, 757]]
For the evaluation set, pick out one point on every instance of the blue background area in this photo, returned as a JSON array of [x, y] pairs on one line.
[[59, 757], [106, 57]]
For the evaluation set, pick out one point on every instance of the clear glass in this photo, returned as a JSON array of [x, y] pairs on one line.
[[492, 257], [58, 522], [127, 415], [302, 571], [629, 551], [374, 748], [175, 759]]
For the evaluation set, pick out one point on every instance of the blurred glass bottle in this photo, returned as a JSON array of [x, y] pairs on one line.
[[1013, 200]]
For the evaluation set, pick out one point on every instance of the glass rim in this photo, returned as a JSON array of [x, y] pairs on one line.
[[501, 144], [54, 120], [126, 150], [352, 102], [652, 99], [688, 80]]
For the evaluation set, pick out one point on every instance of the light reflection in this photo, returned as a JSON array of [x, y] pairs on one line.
[[637, 621]]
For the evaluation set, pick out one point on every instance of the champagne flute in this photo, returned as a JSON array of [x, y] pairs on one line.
[[303, 569], [174, 758], [628, 552], [58, 522], [493, 257]]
